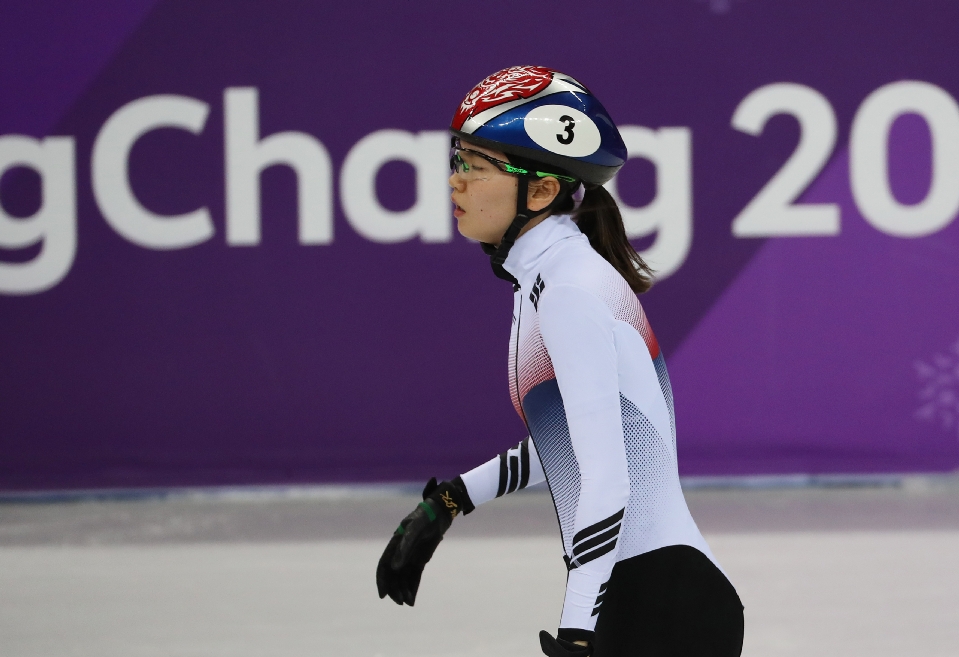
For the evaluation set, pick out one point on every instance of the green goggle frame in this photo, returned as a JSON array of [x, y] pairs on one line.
[[457, 163]]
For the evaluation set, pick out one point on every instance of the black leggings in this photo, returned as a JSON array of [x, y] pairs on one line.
[[671, 602]]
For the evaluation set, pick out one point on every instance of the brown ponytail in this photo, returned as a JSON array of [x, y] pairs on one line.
[[599, 219]]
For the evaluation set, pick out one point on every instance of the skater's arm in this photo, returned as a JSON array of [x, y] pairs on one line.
[[514, 469], [578, 332]]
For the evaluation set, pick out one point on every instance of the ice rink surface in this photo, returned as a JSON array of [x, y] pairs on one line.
[[867, 571]]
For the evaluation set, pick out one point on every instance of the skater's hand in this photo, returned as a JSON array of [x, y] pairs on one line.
[[414, 541], [563, 648]]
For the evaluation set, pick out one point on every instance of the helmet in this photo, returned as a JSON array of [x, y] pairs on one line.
[[545, 116]]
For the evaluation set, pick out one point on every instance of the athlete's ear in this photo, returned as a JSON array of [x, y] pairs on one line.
[[541, 193]]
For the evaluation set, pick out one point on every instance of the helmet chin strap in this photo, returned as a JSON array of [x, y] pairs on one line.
[[523, 216]]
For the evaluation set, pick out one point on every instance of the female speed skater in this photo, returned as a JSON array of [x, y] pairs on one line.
[[531, 149]]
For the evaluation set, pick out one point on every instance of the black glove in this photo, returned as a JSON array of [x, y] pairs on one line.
[[414, 541], [561, 647]]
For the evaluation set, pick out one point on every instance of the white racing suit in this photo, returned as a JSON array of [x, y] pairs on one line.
[[587, 377]]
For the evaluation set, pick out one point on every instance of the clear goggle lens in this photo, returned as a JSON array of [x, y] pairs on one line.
[[474, 165]]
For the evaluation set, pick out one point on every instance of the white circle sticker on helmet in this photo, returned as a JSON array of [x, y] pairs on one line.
[[562, 130]]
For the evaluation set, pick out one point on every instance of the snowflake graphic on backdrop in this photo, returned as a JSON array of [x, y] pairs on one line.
[[940, 389]]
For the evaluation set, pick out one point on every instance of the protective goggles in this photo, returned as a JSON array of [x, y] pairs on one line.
[[480, 170]]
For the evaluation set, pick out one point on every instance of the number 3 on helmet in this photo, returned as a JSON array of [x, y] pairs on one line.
[[546, 116]]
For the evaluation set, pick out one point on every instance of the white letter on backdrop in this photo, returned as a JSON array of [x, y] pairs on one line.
[[430, 217], [247, 156], [772, 212], [111, 183], [670, 213], [54, 224], [869, 158]]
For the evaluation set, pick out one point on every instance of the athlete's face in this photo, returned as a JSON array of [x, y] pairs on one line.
[[485, 198]]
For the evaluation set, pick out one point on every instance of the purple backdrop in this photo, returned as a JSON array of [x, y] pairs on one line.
[[356, 360]]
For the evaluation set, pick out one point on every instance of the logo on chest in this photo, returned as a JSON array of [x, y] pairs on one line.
[[538, 287]]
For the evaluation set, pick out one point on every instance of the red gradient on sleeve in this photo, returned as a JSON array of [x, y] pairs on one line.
[[625, 306]]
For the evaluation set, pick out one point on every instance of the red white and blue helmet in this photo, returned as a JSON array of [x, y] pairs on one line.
[[545, 116]]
